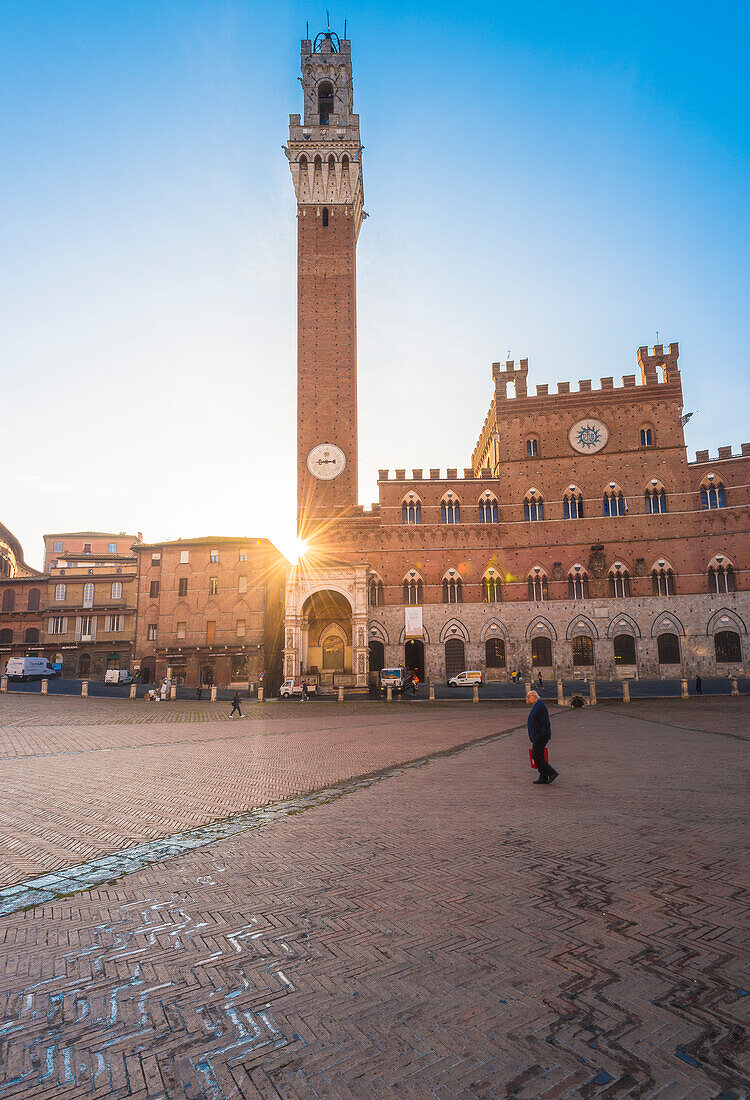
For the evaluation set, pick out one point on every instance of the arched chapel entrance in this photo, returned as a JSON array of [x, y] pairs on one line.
[[325, 625]]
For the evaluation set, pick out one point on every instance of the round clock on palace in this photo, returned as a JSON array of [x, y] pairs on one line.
[[588, 436], [326, 461]]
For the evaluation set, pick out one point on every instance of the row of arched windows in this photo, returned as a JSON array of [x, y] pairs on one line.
[[645, 435], [614, 503], [32, 600], [115, 592], [720, 578], [727, 648]]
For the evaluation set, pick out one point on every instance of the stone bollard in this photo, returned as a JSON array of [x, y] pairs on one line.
[[735, 686], [528, 688], [84, 689], [432, 693], [132, 691], [214, 693], [560, 694], [685, 692], [3, 684], [592, 693], [341, 695], [475, 694], [173, 691], [260, 693], [389, 694], [45, 686], [625, 691]]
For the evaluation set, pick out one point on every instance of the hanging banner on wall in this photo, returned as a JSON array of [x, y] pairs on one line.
[[413, 622]]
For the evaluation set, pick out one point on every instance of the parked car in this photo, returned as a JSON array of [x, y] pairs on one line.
[[467, 678], [294, 687], [394, 678], [117, 676], [30, 668]]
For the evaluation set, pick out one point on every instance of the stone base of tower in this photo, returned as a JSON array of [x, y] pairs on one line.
[[325, 625]]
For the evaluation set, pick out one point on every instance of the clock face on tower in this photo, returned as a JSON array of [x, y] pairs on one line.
[[326, 461]]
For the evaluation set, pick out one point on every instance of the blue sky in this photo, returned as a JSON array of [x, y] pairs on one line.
[[555, 180]]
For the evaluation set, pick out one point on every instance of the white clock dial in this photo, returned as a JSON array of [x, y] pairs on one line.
[[326, 461]]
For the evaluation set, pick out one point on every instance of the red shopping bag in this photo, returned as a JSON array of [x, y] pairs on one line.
[[531, 758]]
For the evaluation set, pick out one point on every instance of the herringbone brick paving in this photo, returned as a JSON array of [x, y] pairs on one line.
[[71, 792], [450, 932]]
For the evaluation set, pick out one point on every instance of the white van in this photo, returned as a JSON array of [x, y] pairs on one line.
[[467, 678], [117, 676], [294, 687], [394, 678], [30, 668]]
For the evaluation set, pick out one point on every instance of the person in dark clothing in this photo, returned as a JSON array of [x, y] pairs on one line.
[[236, 705], [698, 686], [199, 691], [539, 734]]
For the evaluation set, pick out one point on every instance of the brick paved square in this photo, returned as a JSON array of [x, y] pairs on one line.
[[446, 931]]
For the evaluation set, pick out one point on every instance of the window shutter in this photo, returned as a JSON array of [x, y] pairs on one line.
[[49, 625], [93, 626], [64, 625], [107, 628], [78, 628]]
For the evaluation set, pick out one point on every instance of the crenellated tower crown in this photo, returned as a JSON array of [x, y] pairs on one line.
[[324, 150]]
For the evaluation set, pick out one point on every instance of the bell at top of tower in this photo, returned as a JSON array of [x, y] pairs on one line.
[[327, 81]]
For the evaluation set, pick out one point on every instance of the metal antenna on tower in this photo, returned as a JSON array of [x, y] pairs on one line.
[[307, 30], [345, 28], [328, 19], [657, 336]]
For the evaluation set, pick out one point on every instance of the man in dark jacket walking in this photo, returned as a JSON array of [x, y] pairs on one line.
[[236, 705], [539, 734]]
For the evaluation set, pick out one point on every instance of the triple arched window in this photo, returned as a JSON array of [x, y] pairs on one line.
[[488, 509], [452, 587], [537, 584], [615, 503], [662, 579], [573, 503], [491, 586], [411, 510], [720, 575], [578, 583], [450, 509], [533, 506], [655, 498], [712, 493], [413, 589], [375, 591], [619, 581]]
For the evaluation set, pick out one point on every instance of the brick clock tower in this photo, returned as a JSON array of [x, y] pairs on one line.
[[325, 158]]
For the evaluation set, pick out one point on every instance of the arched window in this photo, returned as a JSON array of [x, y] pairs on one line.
[[116, 590], [488, 509], [578, 583], [413, 589], [624, 646], [492, 586], [619, 581], [60, 591], [720, 575], [647, 437], [538, 589], [533, 506], [662, 579], [34, 597], [494, 653], [615, 503], [31, 637], [331, 163], [88, 595], [541, 653], [6, 636], [303, 163], [411, 510], [532, 447], [583, 650], [452, 587], [728, 647], [345, 163], [325, 217], [9, 599], [325, 102], [668, 646], [655, 498], [573, 503], [712, 493], [375, 591], [450, 509]]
